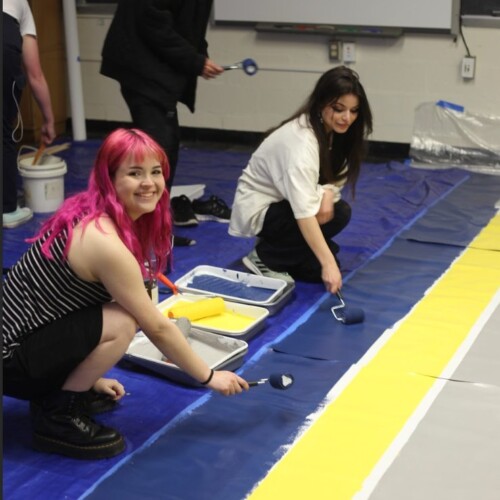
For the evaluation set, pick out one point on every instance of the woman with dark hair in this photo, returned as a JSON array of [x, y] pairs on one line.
[[73, 302], [289, 195]]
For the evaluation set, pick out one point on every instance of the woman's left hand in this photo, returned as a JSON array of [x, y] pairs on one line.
[[111, 387], [332, 278]]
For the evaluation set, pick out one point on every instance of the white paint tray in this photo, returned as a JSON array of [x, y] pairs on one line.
[[235, 286], [218, 351], [258, 315]]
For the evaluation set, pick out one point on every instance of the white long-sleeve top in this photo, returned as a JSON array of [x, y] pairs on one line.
[[284, 167]]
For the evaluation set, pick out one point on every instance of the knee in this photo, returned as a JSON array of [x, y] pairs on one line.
[[342, 212], [118, 324]]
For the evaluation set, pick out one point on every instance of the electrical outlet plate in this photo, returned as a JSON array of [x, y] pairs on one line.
[[349, 52], [468, 67], [334, 50]]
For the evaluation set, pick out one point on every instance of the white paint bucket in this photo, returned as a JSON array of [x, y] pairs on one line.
[[43, 183]]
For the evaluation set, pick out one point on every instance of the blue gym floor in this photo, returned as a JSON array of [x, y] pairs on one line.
[[408, 227]]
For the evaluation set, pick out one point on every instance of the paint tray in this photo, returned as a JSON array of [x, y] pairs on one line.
[[236, 286], [240, 321], [218, 351]]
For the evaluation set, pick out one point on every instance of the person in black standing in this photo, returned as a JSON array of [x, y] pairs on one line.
[[156, 50], [21, 66]]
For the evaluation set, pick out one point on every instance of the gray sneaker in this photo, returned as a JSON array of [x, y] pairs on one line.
[[16, 218], [256, 266]]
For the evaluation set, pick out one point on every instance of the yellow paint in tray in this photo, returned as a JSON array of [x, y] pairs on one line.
[[228, 321]]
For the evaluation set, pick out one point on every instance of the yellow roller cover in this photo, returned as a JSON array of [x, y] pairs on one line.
[[197, 310]]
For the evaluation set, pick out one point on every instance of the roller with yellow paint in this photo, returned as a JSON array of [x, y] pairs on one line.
[[197, 310]]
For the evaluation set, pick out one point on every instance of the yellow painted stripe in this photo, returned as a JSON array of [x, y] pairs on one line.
[[337, 453]]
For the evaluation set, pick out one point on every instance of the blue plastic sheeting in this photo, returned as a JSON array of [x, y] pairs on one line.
[[458, 217], [224, 447], [386, 289], [220, 443], [378, 214], [388, 197]]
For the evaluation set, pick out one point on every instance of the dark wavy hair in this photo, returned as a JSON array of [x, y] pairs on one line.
[[148, 237], [346, 149]]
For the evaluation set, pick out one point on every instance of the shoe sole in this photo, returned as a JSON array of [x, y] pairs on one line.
[[211, 218], [51, 445], [190, 222], [12, 225]]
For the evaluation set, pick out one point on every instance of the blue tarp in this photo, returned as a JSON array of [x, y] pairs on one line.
[[186, 425]]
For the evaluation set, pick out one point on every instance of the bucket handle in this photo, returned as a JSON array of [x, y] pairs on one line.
[[24, 146]]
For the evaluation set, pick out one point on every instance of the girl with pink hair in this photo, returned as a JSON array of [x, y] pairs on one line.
[[74, 301]]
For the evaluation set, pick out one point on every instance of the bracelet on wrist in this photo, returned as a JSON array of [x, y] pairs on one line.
[[209, 377]]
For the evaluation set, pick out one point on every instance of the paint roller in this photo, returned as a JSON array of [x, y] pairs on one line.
[[249, 66], [184, 326], [347, 315], [197, 310], [281, 381]]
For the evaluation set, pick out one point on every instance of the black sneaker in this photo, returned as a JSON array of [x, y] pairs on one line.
[[182, 210], [212, 209], [182, 241]]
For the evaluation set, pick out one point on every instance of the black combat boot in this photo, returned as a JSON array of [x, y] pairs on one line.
[[62, 425], [96, 402]]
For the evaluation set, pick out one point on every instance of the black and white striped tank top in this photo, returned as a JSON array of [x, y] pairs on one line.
[[38, 291]]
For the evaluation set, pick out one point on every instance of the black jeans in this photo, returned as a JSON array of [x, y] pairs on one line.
[[283, 248], [13, 84], [159, 121]]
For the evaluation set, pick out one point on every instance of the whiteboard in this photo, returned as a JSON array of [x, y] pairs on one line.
[[441, 15]]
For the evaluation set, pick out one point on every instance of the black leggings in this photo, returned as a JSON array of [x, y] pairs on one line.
[[283, 248], [13, 84]]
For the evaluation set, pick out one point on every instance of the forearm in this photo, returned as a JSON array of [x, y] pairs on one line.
[[330, 272], [38, 84], [309, 227], [175, 347], [41, 93]]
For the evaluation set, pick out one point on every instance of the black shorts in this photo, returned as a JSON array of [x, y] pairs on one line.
[[45, 358]]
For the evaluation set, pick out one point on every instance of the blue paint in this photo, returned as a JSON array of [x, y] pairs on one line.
[[230, 288]]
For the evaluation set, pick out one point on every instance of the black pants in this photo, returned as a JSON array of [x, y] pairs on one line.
[[283, 248], [45, 358], [13, 83], [159, 121]]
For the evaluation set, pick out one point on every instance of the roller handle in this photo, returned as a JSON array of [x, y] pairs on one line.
[[167, 282], [347, 315]]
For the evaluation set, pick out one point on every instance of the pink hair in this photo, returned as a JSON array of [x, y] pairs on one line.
[[149, 237]]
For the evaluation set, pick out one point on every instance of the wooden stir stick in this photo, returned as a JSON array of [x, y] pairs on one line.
[[39, 153]]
